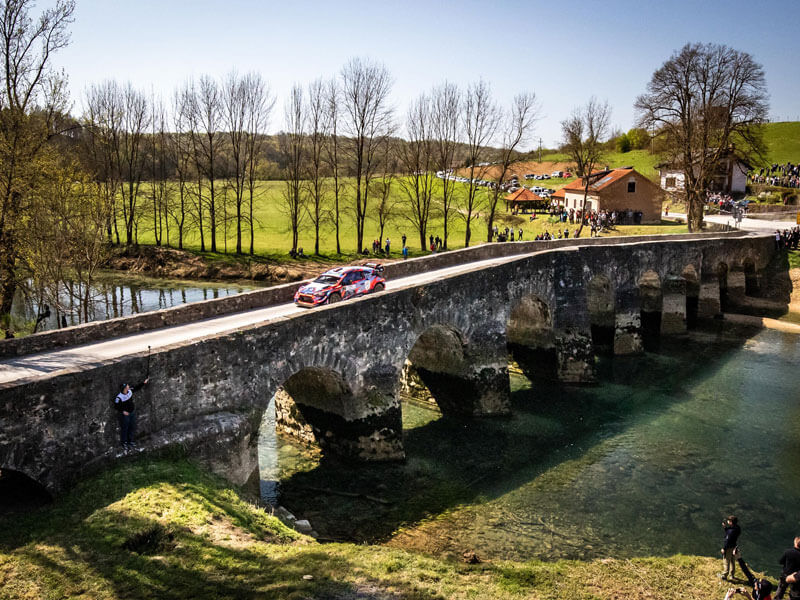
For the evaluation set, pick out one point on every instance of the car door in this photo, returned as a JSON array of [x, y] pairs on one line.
[[358, 284], [350, 283]]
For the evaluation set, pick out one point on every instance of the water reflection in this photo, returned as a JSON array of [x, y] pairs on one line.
[[645, 463], [118, 295]]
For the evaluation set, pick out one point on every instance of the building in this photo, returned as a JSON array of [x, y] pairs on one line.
[[730, 178], [524, 199], [615, 190]]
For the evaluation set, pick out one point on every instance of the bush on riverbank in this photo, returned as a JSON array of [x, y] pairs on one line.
[[166, 529]]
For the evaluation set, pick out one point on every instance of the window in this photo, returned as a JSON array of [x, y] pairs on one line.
[[670, 182], [631, 187]]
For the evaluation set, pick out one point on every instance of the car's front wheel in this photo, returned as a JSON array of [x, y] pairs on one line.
[[379, 287], [333, 298]]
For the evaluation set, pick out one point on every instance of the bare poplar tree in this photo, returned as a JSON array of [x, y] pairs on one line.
[[584, 132], [130, 155], [181, 157], [194, 129], [259, 102], [208, 118], [386, 203], [234, 103], [292, 143], [28, 85], [519, 121], [416, 158], [445, 128], [317, 110], [708, 101], [159, 175], [367, 121], [333, 151], [481, 119]]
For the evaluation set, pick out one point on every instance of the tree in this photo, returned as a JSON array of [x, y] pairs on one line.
[[583, 133], [234, 104], [445, 126], [367, 121], [31, 97], [317, 109], [416, 158], [292, 144], [707, 101], [208, 117], [518, 126], [623, 143], [259, 107], [332, 150], [480, 125]]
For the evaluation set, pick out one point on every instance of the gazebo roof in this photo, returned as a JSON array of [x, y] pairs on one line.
[[523, 195]]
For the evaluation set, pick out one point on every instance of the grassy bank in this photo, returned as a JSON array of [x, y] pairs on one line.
[[166, 529]]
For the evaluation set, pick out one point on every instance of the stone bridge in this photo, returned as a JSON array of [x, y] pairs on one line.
[[336, 372]]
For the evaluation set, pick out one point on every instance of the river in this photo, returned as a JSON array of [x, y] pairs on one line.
[[115, 294], [647, 462]]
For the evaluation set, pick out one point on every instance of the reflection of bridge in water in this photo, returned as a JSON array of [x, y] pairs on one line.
[[337, 372]]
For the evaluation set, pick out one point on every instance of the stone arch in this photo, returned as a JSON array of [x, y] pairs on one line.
[[751, 285], [19, 491], [601, 301], [531, 338], [722, 278], [318, 406], [651, 304], [692, 282]]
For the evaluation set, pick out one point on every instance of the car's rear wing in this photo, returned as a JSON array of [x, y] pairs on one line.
[[375, 266]]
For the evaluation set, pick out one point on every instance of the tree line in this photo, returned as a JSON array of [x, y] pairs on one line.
[[71, 186]]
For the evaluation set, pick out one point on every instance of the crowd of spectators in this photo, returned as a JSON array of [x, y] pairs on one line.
[[786, 175], [788, 239]]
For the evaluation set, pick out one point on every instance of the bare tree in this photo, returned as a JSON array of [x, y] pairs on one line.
[[584, 133], [367, 120], [234, 103], [259, 102], [707, 101], [333, 151], [292, 144], [159, 175], [445, 126], [416, 157], [481, 119], [317, 111], [518, 126], [182, 157], [386, 203], [208, 118], [130, 154]]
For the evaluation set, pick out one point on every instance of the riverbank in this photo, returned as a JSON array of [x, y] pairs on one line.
[[165, 529]]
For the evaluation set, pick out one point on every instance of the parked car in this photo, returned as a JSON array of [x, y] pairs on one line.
[[341, 283], [557, 174]]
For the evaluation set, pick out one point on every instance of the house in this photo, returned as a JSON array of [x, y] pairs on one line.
[[524, 199], [730, 178], [615, 189]]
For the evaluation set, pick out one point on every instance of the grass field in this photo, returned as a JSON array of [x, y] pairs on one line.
[[166, 529], [273, 237]]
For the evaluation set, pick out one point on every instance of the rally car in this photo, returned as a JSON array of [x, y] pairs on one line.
[[341, 283]]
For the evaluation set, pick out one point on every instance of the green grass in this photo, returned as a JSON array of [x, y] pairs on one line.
[[273, 238], [783, 142], [167, 529]]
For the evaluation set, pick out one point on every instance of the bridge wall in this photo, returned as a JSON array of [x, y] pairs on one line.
[[342, 364]]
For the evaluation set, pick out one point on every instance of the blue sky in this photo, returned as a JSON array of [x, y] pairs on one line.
[[563, 51]]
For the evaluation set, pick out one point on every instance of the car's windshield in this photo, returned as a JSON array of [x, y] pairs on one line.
[[327, 279]]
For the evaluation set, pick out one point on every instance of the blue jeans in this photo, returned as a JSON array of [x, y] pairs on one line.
[[127, 427]]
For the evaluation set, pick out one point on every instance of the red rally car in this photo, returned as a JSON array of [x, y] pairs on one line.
[[341, 283]]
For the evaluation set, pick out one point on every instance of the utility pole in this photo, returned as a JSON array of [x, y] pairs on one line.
[[540, 149]]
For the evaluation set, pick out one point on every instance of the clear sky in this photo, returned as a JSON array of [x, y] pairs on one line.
[[564, 51]]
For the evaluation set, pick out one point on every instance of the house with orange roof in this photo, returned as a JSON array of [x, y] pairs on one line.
[[622, 189]]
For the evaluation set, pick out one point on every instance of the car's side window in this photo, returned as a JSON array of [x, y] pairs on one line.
[[349, 278]]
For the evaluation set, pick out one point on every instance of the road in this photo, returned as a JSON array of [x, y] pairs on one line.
[[747, 224], [53, 362]]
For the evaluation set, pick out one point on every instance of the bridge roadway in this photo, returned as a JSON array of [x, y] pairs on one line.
[[56, 361]]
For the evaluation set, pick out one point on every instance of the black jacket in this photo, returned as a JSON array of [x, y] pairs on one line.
[[790, 561], [731, 536], [124, 402]]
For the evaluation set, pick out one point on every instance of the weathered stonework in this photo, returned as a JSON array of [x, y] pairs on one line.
[[673, 312], [341, 365]]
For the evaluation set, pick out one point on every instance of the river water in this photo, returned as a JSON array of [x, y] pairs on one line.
[[647, 462], [116, 294]]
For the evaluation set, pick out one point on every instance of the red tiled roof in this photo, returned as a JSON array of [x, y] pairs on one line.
[[601, 180], [523, 195]]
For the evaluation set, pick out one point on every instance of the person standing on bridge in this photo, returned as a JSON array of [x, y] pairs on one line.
[[127, 413]]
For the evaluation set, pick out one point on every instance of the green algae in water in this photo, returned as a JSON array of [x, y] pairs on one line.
[[645, 463]]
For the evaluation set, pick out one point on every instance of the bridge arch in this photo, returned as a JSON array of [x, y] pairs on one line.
[[601, 302], [530, 336], [18, 490], [651, 304], [692, 282]]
